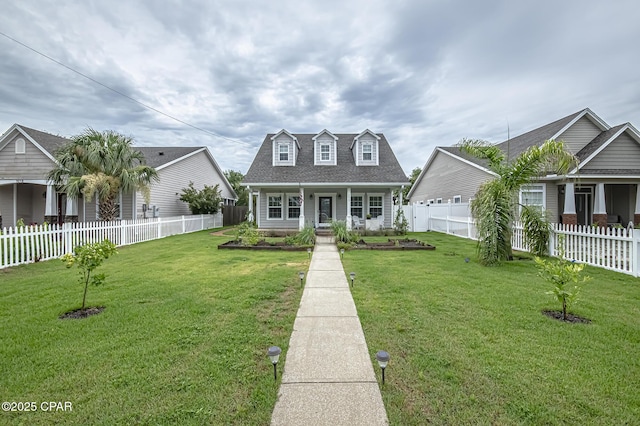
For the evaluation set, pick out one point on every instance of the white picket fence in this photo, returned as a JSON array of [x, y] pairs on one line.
[[43, 242], [616, 249]]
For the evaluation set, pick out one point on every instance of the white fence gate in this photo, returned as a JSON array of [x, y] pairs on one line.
[[43, 242]]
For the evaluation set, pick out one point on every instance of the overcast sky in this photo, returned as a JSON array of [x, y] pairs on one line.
[[425, 73]]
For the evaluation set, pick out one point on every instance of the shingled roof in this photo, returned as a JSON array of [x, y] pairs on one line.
[[388, 171], [154, 156]]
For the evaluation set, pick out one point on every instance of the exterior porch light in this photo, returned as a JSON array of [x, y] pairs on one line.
[[383, 359], [353, 276], [301, 276], [274, 354]]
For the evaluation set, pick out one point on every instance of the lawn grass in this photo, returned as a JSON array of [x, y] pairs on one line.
[[469, 344], [182, 340]]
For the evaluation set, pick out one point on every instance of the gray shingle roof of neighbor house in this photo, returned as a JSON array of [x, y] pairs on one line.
[[154, 156], [388, 169], [516, 146]]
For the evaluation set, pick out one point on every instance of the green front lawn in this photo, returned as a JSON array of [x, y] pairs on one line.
[[182, 340], [469, 344]]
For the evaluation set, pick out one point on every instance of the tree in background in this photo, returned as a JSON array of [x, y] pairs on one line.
[[235, 179], [203, 201], [495, 204], [101, 164], [412, 180]]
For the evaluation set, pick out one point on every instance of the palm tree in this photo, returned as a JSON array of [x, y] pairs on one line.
[[101, 164], [494, 206]]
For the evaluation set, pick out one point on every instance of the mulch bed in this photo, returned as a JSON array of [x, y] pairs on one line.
[[557, 315], [82, 313], [395, 244], [262, 245]]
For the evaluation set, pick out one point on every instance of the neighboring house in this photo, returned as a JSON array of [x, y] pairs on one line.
[[603, 189], [27, 156], [306, 179]]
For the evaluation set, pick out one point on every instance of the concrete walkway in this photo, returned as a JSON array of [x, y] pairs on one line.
[[328, 377]]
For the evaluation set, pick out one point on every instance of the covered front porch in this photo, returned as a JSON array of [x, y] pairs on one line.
[[318, 206], [34, 202], [607, 203]]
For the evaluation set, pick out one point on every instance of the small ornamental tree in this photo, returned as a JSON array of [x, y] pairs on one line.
[[400, 224], [88, 257], [563, 273], [203, 201]]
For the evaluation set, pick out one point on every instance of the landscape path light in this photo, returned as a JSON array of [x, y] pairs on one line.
[[341, 253], [353, 276], [309, 252], [301, 275], [274, 354], [383, 359]]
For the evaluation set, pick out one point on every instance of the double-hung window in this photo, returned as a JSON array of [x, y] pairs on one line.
[[532, 195], [356, 206], [293, 206], [274, 206], [375, 205], [367, 152], [325, 152], [283, 151]]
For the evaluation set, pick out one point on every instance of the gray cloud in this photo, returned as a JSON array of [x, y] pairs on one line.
[[426, 73]]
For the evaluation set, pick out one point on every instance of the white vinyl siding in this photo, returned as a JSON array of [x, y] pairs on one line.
[[274, 206]]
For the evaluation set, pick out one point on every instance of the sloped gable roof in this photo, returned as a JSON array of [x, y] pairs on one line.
[[345, 171]]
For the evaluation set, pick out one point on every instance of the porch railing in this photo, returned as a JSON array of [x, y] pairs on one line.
[[28, 244]]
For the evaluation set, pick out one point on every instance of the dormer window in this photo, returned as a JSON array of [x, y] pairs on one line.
[[283, 150], [325, 149], [367, 152], [365, 149], [325, 152]]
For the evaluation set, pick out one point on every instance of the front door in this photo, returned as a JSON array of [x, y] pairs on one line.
[[325, 204], [584, 206]]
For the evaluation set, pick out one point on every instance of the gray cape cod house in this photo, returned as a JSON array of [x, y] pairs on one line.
[[299, 180]]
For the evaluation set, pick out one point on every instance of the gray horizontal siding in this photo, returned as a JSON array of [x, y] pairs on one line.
[[448, 177], [33, 164], [621, 153], [580, 134]]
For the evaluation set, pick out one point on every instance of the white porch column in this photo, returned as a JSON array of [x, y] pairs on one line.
[[301, 218], [349, 219], [72, 206], [250, 215], [569, 199], [599, 206], [637, 210], [50, 203]]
